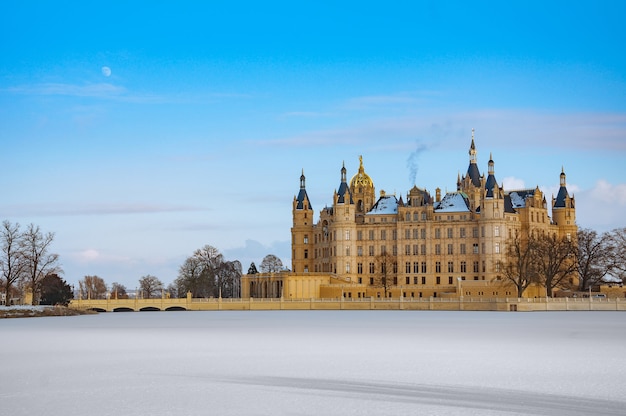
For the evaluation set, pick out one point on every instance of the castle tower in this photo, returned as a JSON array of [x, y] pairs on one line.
[[302, 230], [564, 210], [343, 228], [363, 192]]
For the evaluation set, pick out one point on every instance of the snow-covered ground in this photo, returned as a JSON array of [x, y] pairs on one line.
[[315, 363]]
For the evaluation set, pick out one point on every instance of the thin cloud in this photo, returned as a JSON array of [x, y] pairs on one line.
[[391, 133], [99, 90], [91, 255], [43, 210], [109, 91], [515, 128], [523, 128]]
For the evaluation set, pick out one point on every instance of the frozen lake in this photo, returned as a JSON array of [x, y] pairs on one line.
[[315, 363]]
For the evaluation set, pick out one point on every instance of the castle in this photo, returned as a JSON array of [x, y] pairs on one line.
[[419, 246]]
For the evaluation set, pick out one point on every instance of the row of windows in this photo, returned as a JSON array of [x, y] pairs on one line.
[[415, 250], [481, 293], [417, 280], [409, 234], [378, 294], [421, 294], [421, 267], [421, 249]]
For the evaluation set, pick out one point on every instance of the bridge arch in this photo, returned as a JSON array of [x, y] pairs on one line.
[[123, 309], [175, 308], [150, 309], [97, 309]]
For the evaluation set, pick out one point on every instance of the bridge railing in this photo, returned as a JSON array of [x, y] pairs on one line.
[[464, 303]]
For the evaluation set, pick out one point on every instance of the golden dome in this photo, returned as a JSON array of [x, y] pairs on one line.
[[361, 178]]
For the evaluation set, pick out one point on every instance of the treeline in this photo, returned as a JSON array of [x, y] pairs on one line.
[[28, 266], [555, 263], [204, 274], [571, 263]]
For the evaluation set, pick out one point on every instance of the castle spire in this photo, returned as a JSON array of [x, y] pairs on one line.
[[472, 150], [302, 200], [472, 170], [344, 195], [491, 183], [563, 195]]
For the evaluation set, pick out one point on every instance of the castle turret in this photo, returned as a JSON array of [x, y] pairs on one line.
[[302, 230], [563, 208]]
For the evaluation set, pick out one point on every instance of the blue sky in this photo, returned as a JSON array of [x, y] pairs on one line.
[[210, 111]]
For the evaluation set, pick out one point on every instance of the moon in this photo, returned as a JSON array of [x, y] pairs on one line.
[[106, 71]]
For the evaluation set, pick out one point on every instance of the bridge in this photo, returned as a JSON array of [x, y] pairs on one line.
[[132, 305]]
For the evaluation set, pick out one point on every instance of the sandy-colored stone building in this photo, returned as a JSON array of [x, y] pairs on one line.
[[414, 246]]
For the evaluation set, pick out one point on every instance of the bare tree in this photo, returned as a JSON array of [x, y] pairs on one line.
[[92, 287], [556, 262], [199, 274], [172, 289], [617, 259], [271, 264], [150, 286], [252, 269], [118, 291], [209, 256], [228, 276], [13, 265], [207, 274], [39, 261], [593, 257], [236, 283], [520, 268], [192, 278], [388, 271]]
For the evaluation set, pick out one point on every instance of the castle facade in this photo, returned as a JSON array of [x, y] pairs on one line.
[[415, 246]]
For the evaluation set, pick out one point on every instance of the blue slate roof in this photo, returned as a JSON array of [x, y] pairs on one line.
[[302, 195], [560, 197], [344, 195], [474, 174]]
